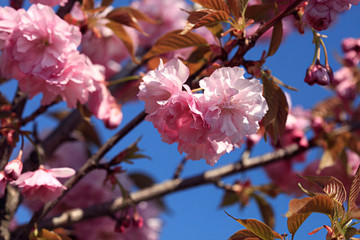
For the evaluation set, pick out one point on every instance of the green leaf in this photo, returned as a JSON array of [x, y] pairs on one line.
[[276, 38], [244, 234], [257, 227], [213, 4], [173, 41], [275, 119], [354, 191], [266, 210], [204, 17], [120, 32], [331, 186]]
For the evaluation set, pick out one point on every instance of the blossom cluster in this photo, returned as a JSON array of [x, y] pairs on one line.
[[205, 124], [319, 14], [39, 49]]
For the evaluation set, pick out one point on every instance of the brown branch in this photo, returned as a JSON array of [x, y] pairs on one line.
[[91, 162], [171, 186]]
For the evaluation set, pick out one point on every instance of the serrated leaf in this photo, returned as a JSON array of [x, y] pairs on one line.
[[266, 210], [213, 4], [294, 222], [319, 203], [257, 227], [259, 12], [331, 186], [354, 191], [278, 81], [276, 37], [204, 17], [244, 234], [121, 33], [275, 118], [129, 16], [173, 41]]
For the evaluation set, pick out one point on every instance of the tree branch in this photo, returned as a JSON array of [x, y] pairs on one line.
[[170, 186]]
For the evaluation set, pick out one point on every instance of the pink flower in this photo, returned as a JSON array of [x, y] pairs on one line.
[[13, 169], [2, 184], [41, 42], [160, 84], [9, 18], [42, 183], [235, 105], [209, 150], [169, 13], [50, 3], [103, 105], [345, 85], [319, 14], [351, 47]]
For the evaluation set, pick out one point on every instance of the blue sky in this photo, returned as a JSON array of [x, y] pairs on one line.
[[195, 213]]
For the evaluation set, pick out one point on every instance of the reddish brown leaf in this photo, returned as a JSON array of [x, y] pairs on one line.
[[173, 41], [87, 4], [294, 222], [354, 191], [244, 234], [260, 229], [266, 210], [106, 2], [120, 32], [237, 7], [261, 12], [275, 119], [214, 4], [331, 186], [204, 17], [276, 38]]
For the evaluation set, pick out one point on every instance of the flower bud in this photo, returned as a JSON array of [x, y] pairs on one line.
[[319, 74], [138, 221], [13, 169]]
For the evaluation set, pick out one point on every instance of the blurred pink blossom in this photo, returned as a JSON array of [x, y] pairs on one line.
[[103, 105], [42, 184], [13, 169], [319, 14], [351, 47], [234, 105], [345, 85], [3, 183], [50, 3], [169, 14]]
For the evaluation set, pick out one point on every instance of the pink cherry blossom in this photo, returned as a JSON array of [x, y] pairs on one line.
[[41, 41], [158, 85], [169, 13], [209, 150], [42, 184], [103, 105], [351, 47], [235, 105], [50, 3], [345, 85], [3, 183], [13, 169], [9, 18], [319, 14]]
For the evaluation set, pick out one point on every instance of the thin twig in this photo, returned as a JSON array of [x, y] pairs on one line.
[[91, 162], [179, 168]]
